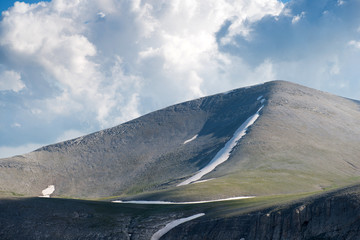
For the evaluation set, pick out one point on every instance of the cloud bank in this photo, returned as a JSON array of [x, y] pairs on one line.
[[72, 67]]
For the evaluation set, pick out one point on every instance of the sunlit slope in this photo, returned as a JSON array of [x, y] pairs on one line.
[[305, 140], [293, 139], [142, 155]]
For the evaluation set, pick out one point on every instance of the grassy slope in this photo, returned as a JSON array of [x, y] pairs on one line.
[[304, 141]]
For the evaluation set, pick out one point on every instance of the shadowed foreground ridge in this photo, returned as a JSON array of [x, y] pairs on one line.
[[329, 216]]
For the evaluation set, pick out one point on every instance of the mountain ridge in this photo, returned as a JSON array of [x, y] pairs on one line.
[[146, 157]]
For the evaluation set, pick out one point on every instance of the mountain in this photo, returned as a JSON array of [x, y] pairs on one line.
[[292, 139], [271, 161]]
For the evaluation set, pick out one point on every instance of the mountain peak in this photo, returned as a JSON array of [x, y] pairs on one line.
[[273, 138]]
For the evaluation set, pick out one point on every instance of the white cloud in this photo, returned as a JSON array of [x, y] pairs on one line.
[[53, 37], [16, 125], [11, 81], [298, 17], [354, 43], [101, 14], [243, 13], [340, 2], [104, 68]]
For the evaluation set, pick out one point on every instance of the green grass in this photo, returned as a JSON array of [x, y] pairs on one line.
[[110, 212], [10, 194], [251, 183], [214, 209]]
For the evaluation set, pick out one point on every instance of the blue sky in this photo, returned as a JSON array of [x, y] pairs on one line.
[[5, 4], [69, 68]]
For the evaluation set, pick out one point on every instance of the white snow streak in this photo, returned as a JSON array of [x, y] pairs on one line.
[[224, 153], [201, 181], [173, 224], [48, 191], [167, 202], [191, 139], [262, 100]]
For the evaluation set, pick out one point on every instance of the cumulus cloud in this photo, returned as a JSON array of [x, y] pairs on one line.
[[11, 81], [317, 50], [297, 18], [106, 68], [340, 2], [355, 44]]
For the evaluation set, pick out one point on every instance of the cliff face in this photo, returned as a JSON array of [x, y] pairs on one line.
[[333, 216]]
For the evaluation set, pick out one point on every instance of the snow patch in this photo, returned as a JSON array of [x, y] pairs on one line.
[[224, 153], [173, 224], [48, 191], [191, 139], [168, 202], [262, 100]]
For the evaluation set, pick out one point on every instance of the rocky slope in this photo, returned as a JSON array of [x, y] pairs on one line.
[[277, 141], [143, 154], [304, 140]]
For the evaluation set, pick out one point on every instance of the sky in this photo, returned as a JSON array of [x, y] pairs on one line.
[[72, 67]]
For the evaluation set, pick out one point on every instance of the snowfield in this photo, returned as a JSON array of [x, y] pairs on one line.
[[173, 224], [224, 153]]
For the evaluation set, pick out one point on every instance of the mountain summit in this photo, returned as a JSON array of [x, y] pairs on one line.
[[273, 138]]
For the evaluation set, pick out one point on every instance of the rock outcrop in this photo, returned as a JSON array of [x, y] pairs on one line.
[[335, 215]]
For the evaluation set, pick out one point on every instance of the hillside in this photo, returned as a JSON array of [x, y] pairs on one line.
[[271, 161], [297, 140], [332, 215]]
